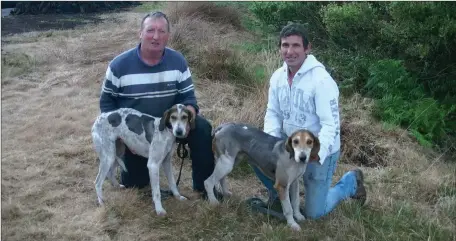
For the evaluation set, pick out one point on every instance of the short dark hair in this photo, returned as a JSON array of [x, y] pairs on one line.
[[294, 29], [156, 14]]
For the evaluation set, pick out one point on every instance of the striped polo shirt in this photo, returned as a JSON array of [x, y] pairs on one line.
[[132, 83]]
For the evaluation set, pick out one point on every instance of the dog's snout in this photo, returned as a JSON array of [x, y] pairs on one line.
[[179, 132], [302, 157]]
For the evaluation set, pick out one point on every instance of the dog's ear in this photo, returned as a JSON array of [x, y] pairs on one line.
[[315, 149], [191, 119], [164, 120], [289, 147]]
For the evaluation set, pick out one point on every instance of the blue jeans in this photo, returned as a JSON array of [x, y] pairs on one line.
[[320, 198]]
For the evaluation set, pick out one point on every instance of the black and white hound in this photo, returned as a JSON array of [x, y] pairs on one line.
[[283, 160], [151, 137]]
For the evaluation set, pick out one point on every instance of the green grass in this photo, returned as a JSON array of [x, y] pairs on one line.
[[251, 47], [403, 222], [260, 72], [241, 170], [254, 72]]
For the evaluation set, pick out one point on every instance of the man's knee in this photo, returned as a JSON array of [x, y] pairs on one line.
[[201, 136], [202, 126], [313, 214], [200, 144], [316, 187]]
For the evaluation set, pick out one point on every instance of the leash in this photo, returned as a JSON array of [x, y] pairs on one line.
[[182, 153]]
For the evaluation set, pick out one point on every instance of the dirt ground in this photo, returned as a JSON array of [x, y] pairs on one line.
[[26, 23]]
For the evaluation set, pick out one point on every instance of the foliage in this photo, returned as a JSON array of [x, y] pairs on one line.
[[275, 15], [402, 101], [401, 54]]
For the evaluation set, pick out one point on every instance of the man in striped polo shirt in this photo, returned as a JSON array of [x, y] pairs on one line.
[[151, 78]]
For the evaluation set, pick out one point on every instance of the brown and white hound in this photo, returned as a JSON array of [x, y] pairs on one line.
[[281, 160]]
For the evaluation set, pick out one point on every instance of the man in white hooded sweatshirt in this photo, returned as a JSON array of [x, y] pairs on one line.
[[302, 94]]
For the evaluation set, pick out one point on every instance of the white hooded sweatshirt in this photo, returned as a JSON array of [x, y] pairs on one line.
[[312, 103]]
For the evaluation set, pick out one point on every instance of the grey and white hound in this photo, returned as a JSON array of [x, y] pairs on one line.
[[283, 160], [151, 137]]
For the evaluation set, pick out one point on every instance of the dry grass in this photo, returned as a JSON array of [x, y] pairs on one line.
[[212, 55], [50, 88], [206, 11]]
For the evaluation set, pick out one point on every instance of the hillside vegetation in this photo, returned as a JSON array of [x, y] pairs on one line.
[[400, 54], [51, 84]]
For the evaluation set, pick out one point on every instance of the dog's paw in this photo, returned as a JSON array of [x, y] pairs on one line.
[[214, 203], [299, 217], [295, 227], [121, 186], [100, 202], [227, 193], [161, 212], [181, 198]]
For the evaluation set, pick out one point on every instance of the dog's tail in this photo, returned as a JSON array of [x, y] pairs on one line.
[[121, 163], [221, 126], [214, 132]]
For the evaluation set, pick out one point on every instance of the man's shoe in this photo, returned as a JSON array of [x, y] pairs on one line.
[[275, 205], [271, 208], [360, 193]]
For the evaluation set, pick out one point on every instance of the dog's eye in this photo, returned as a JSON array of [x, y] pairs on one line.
[[184, 117], [295, 141], [173, 117], [309, 142]]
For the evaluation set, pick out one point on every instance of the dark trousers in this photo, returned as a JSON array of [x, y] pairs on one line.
[[200, 145]]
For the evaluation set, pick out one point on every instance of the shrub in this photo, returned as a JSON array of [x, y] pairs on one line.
[[424, 36], [390, 76], [275, 15], [351, 26], [401, 54], [401, 101]]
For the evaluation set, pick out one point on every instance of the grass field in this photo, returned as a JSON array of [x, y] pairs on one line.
[[50, 88]]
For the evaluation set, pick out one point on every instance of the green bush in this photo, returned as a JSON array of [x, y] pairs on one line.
[[402, 54], [274, 15], [389, 76], [423, 34], [352, 26], [401, 101]]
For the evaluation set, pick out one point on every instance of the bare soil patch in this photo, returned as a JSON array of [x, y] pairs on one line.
[[26, 23]]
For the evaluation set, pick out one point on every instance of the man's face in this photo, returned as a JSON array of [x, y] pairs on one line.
[[154, 35], [292, 51]]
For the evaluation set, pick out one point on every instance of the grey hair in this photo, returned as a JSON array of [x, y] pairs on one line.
[[156, 14]]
